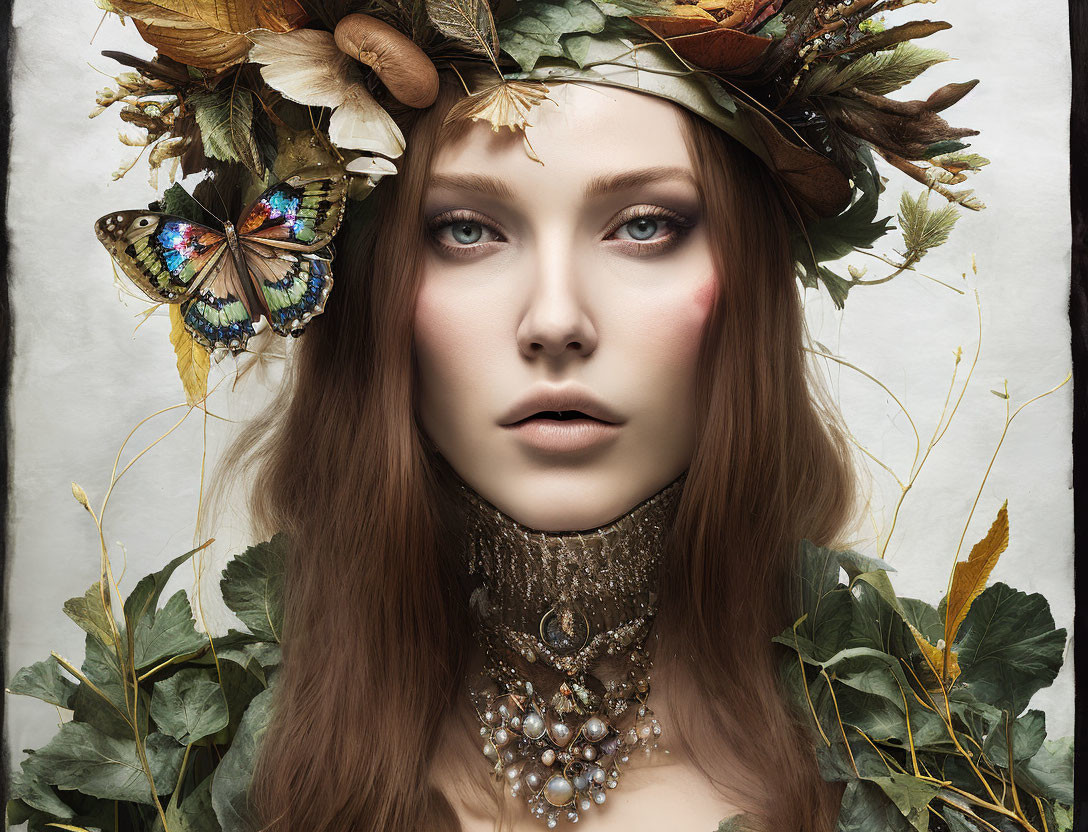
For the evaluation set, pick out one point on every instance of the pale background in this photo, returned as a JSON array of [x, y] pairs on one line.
[[82, 379]]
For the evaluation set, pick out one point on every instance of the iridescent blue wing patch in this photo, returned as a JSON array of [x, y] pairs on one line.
[[302, 213], [166, 257]]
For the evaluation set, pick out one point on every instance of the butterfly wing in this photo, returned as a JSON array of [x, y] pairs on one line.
[[166, 257], [293, 284], [302, 213], [221, 314]]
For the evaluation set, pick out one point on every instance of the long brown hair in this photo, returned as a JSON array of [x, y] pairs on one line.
[[377, 635]]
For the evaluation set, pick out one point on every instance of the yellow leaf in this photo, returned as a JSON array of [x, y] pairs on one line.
[[935, 658], [193, 360], [969, 577]]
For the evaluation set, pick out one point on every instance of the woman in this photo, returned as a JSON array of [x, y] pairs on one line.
[[642, 275]]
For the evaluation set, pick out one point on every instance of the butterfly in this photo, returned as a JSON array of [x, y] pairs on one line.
[[275, 263]]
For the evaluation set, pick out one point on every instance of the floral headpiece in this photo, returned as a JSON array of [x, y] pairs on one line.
[[309, 90]]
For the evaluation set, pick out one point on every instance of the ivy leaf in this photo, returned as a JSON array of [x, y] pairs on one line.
[[43, 680], [865, 807], [194, 362], [188, 706], [31, 790], [233, 774], [1028, 733], [195, 813], [225, 118], [82, 758], [91, 613], [145, 595], [1049, 773], [252, 586], [1009, 648], [169, 632]]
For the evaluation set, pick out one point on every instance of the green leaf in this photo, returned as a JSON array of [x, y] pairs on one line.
[[1063, 817], [924, 229], [252, 586], [1008, 647], [876, 72], [254, 658], [27, 786], [188, 706], [234, 772], [225, 119], [144, 597], [43, 680], [855, 564], [865, 808], [958, 822], [538, 26], [179, 202], [170, 632], [109, 714], [824, 600], [910, 795], [1028, 733], [1049, 773], [79, 757], [90, 614], [195, 814]]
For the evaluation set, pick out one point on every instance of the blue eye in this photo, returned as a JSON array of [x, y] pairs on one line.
[[642, 228], [466, 232]]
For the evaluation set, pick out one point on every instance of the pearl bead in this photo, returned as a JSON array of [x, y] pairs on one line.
[[598, 775], [490, 751], [581, 782], [558, 790], [490, 717], [532, 780], [589, 752], [561, 733], [501, 737], [513, 773], [548, 757], [598, 797], [533, 725], [508, 756], [584, 804], [595, 728]]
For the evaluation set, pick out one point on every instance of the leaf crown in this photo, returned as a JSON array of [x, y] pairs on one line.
[[802, 83]]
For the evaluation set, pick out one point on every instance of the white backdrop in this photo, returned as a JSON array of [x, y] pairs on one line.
[[82, 379]]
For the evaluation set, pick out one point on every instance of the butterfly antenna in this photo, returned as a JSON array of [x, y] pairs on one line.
[[208, 210], [222, 202]]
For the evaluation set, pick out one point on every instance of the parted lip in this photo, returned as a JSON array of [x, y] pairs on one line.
[[567, 397]]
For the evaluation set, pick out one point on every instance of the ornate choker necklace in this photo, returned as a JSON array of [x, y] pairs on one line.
[[562, 619]]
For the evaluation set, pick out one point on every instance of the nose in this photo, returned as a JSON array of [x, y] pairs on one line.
[[556, 321]]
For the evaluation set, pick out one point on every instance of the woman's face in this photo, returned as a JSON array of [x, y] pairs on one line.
[[579, 284]]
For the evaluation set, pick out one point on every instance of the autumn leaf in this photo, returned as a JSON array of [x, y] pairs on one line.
[[467, 21], [506, 104], [193, 360], [940, 658], [969, 577]]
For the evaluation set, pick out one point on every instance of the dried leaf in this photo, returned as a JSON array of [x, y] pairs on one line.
[[307, 67], [80, 495], [936, 655], [969, 577], [877, 72], [193, 360], [467, 21], [185, 39], [506, 104], [227, 15]]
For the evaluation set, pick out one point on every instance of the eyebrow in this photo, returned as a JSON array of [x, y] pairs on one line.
[[598, 185]]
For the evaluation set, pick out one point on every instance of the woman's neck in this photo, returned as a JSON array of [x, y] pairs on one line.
[[561, 620]]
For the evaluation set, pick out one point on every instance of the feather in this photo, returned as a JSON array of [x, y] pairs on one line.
[[307, 67]]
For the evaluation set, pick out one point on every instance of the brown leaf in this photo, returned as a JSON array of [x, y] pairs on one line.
[[905, 128], [969, 577], [936, 656], [706, 44], [209, 35], [194, 362], [467, 21], [230, 15]]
